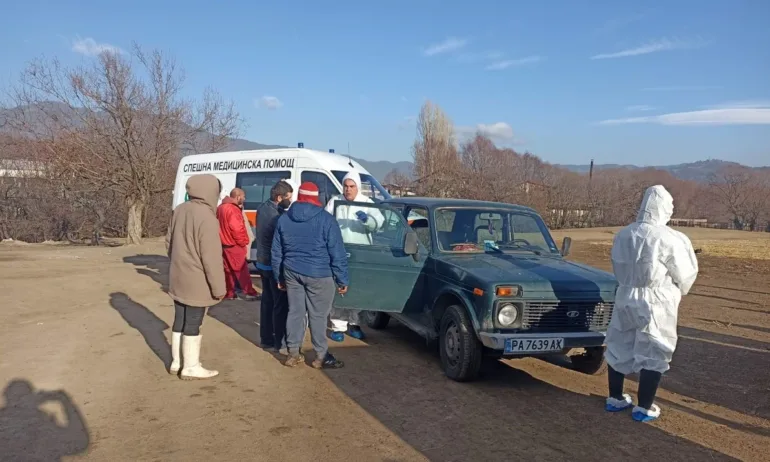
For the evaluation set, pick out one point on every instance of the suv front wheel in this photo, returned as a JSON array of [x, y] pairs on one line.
[[591, 362], [461, 351]]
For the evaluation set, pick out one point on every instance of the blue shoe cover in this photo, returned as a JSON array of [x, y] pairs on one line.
[[337, 336], [617, 405], [641, 414], [355, 332]]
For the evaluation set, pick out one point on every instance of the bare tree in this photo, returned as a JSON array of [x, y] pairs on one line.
[[436, 162], [743, 194], [398, 178], [125, 122]]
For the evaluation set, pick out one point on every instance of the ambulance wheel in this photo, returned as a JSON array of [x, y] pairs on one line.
[[376, 320], [591, 362]]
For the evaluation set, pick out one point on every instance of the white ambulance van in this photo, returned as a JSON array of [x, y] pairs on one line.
[[257, 171]]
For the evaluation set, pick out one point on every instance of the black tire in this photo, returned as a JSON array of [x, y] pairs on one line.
[[376, 320], [591, 362], [461, 352]]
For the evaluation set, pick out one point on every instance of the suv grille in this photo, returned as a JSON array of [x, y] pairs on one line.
[[567, 316]]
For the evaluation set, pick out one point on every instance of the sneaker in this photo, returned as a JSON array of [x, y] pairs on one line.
[[329, 362], [641, 414], [294, 360], [248, 298], [355, 332], [617, 405], [337, 336], [267, 346]]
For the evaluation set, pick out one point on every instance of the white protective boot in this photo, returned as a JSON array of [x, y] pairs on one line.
[[191, 351], [176, 352]]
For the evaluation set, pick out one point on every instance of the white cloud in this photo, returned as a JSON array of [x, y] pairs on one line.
[[639, 108], [654, 46], [745, 104], [270, 102], [496, 131], [505, 64], [91, 47], [683, 88], [447, 46], [707, 117]]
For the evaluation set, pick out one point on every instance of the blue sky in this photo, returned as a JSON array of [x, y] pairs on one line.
[[648, 83]]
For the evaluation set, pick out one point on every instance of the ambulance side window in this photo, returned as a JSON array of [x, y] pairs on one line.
[[257, 186], [326, 189]]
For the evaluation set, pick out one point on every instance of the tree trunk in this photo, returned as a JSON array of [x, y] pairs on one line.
[[134, 223]]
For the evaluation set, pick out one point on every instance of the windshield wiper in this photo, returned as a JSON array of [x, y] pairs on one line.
[[530, 248]]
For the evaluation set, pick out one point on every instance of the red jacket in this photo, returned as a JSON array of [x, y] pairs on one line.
[[232, 228]]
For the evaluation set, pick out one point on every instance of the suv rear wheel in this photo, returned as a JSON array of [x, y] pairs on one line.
[[461, 352], [376, 320]]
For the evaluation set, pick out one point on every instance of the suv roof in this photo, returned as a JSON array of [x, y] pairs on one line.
[[434, 202]]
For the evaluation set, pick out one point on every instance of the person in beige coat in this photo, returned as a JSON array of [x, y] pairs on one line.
[[196, 273]]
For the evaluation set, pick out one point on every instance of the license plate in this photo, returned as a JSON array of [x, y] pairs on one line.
[[533, 345]]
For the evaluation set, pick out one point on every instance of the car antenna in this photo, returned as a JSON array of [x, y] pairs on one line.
[[350, 160]]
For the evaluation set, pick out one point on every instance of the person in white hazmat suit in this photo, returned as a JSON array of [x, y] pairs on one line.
[[655, 266], [357, 225]]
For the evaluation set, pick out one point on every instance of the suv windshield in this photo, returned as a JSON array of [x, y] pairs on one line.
[[370, 187], [491, 230]]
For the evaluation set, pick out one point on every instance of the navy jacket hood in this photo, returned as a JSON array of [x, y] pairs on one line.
[[301, 212]]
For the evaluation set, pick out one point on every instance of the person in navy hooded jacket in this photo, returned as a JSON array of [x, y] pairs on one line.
[[309, 263]]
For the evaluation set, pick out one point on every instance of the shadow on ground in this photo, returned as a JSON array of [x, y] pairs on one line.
[[146, 322], [507, 414], [154, 267], [27, 432], [240, 316], [739, 366]]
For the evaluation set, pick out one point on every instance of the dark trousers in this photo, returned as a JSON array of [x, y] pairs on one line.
[[311, 299], [188, 319], [273, 310]]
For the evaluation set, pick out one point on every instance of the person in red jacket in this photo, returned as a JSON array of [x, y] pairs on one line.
[[235, 244]]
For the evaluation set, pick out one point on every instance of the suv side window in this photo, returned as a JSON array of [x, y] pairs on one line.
[[417, 217], [326, 189], [257, 186], [388, 230]]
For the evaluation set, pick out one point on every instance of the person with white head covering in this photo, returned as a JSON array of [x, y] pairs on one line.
[[655, 266], [357, 225]]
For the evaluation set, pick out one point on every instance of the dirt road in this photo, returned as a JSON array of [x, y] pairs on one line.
[[88, 328]]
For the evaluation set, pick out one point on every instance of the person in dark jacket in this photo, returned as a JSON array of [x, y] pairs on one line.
[[275, 306], [309, 262]]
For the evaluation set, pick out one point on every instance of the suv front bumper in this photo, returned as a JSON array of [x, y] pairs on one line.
[[571, 339]]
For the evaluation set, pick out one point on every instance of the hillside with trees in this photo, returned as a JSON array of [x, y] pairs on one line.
[[92, 152]]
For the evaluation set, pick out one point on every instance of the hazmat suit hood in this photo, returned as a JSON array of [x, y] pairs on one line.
[[204, 188], [302, 211], [657, 206], [360, 197]]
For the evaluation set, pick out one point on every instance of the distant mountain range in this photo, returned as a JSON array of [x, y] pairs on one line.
[[696, 171]]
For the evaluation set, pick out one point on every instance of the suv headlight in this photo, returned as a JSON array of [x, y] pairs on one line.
[[507, 314]]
